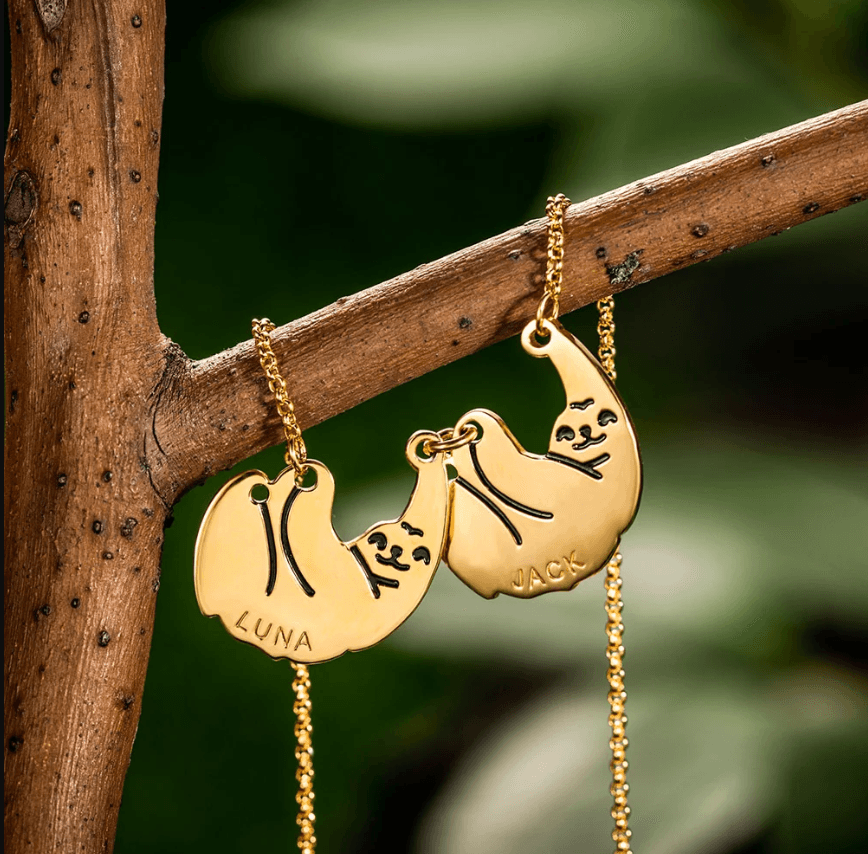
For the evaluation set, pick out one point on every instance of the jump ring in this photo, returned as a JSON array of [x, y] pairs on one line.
[[450, 441]]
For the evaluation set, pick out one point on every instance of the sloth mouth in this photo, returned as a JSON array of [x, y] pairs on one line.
[[392, 561], [585, 433]]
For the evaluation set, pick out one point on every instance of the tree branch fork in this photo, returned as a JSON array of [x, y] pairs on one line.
[[209, 415]]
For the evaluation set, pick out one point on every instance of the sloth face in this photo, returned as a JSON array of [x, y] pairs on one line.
[[404, 551], [585, 433], [394, 555]]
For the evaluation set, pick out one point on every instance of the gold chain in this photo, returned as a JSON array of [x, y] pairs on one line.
[[606, 331], [615, 631], [296, 452], [304, 757], [296, 456], [549, 306]]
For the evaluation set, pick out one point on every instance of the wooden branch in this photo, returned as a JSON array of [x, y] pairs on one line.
[[218, 411], [83, 525]]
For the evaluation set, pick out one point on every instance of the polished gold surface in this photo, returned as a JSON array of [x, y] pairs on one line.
[[524, 524], [275, 572]]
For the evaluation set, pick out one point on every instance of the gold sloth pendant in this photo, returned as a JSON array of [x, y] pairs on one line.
[[273, 569], [524, 524]]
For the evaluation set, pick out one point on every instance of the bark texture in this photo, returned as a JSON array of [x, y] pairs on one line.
[[108, 423], [84, 358]]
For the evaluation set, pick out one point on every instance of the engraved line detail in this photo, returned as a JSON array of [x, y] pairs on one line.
[[491, 506], [510, 502], [287, 548]]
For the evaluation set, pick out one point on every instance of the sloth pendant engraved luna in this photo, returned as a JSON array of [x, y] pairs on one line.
[[524, 524], [275, 572]]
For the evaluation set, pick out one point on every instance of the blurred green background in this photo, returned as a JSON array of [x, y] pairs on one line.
[[313, 149]]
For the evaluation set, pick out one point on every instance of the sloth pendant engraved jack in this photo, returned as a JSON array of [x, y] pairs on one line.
[[524, 524]]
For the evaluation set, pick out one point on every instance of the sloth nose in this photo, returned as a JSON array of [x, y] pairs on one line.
[[585, 431], [397, 551]]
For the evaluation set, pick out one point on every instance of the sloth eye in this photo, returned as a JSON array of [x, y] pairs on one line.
[[607, 417], [379, 540], [421, 553], [565, 434]]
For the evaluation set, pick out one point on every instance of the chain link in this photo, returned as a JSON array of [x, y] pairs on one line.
[[549, 306], [304, 758], [296, 452], [615, 631], [606, 331]]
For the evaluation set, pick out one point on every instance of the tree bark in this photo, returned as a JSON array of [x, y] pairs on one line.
[[108, 422], [84, 355], [218, 411]]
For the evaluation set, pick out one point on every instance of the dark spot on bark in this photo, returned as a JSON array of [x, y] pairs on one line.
[[454, 343], [148, 512], [465, 323], [97, 526], [136, 21], [75, 602], [55, 77], [810, 208], [700, 230], [137, 123], [62, 480], [103, 638], [601, 252], [71, 385], [155, 136], [45, 610], [108, 556], [75, 208], [649, 190], [18, 26], [19, 207], [700, 253], [127, 702], [14, 137], [137, 569], [56, 140], [245, 428], [142, 630], [515, 255], [90, 173], [857, 198], [107, 476], [15, 743], [13, 399], [169, 520], [135, 176], [155, 585], [619, 274], [84, 317], [129, 526]]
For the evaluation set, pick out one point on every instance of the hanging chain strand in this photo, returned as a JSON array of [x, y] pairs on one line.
[[615, 632], [296, 452], [304, 758], [295, 456], [549, 306]]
